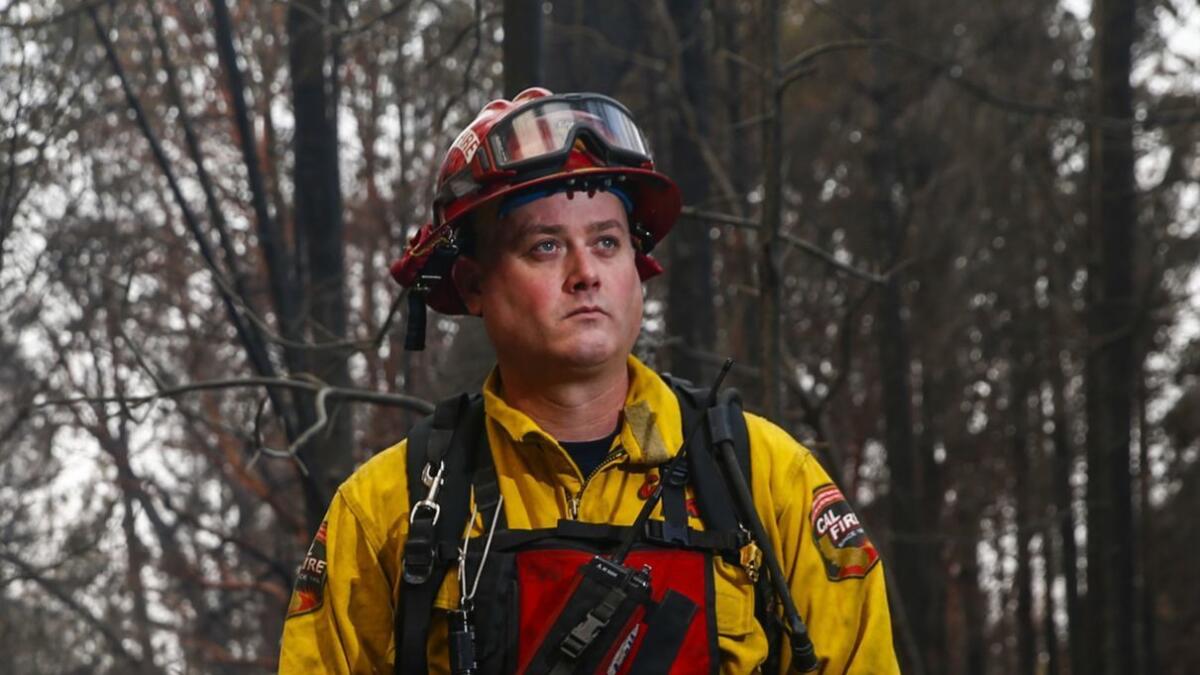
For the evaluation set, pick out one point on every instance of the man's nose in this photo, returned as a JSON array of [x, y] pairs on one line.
[[583, 273]]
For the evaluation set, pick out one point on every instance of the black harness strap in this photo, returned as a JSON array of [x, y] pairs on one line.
[[442, 446], [602, 536], [486, 485], [713, 499], [713, 495], [666, 631], [674, 504], [728, 423]]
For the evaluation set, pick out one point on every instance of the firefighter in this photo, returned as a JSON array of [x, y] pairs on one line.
[[582, 514]]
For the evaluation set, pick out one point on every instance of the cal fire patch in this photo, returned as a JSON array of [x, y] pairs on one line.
[[309, 593], [840, 538]]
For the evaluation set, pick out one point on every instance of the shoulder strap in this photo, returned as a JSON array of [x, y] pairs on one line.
[[713, 499], [712, 492], [439, 445]]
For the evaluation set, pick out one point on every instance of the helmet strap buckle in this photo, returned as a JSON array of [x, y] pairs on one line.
[[644, 239]]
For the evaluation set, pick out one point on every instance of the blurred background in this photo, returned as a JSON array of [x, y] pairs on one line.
[[951, 244]]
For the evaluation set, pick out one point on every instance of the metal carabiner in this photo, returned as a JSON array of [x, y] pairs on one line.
[[434, 483]]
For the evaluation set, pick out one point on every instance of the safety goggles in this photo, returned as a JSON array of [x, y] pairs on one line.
[[545, 130], [538, 137]]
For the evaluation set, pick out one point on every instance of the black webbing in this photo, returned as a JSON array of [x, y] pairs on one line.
[[602, 536], [665, 632], [445, 441], [674, 504], [486, 485], [712, 495]]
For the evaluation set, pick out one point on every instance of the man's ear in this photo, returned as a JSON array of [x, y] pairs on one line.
[[467, 275]]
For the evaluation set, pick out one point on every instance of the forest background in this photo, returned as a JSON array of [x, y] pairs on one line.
[[952, 246]]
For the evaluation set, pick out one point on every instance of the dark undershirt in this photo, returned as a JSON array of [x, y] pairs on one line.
[[589, 454]]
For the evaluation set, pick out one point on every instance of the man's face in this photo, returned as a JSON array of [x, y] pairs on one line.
[[559, 287]]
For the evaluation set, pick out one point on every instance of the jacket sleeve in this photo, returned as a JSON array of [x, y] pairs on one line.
[[340, 616], [832, 566]]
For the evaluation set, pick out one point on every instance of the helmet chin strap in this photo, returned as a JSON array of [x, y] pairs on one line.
[[435, 269], [645, 241]]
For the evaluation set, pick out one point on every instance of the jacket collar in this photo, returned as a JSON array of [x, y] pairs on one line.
[[650, 422]]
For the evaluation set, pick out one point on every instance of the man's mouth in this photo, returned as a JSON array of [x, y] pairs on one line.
[[585, 311]]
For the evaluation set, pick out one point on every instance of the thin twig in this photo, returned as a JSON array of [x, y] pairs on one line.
[[347, 393], [62, 16], [803, 244], [104, 628], [368, 24]]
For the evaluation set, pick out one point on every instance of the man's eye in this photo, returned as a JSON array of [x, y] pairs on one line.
[[547, 246], [609, 242]]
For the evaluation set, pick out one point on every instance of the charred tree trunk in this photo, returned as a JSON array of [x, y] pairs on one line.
[[1026, 637], [593, 50], [974, 613], [523, 39], [933, 383], [893, 345], [318, 215], [1049, 604], [1111, 364], [690, 316], [285, 292], [1145, 543], [1063, 464], [770, 283]]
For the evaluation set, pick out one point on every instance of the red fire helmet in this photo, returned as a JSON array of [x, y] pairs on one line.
[[581, 142]]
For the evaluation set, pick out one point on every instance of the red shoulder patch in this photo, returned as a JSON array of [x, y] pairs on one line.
[[841, 539], [309, 593]]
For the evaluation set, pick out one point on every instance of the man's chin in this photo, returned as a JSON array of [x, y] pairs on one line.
[[589, 355]]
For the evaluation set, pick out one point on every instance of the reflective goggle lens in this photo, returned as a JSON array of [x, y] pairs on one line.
[[548, 127]]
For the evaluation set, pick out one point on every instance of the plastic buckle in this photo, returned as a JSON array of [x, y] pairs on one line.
[[577, 641], [678, 474]]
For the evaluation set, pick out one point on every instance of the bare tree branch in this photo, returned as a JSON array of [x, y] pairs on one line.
[[953, 72], [370, 23], [258, 358], [350, 394], [103, 628], [69, 13], [802, 244]]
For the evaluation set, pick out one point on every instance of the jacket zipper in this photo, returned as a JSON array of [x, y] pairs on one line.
[[573, 500]]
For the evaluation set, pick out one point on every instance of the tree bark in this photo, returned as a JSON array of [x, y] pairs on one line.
[[932, 498], [1111, 350], [770, 283], [593, 50], [1026, 637], [1063, 464], [318, 215], [690, 316], [968, 582], [1148, 663], [523, 45], [892, 340]]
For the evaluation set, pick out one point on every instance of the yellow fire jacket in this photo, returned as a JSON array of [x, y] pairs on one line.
[[341, 615]]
